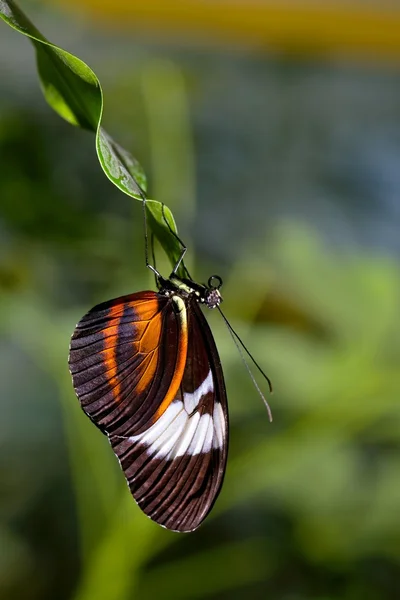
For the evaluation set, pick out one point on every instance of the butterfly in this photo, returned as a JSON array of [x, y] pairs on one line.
[[146, 370]]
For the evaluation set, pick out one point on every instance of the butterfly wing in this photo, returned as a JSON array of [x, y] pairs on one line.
[[175, 468], [146, 371], [127, 355]]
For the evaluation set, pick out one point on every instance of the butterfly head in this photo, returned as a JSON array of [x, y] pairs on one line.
[[212, 296]]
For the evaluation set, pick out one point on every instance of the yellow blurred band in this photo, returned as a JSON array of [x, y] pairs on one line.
[[304, 28]]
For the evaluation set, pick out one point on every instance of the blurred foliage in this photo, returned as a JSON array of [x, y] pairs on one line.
[[310, 503]]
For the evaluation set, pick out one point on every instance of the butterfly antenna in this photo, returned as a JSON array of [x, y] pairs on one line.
[[153, 256], [184, 248], [239, 345]]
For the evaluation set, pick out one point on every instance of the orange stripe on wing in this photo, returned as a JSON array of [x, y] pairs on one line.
[[181, 357], [110, 349], [149, 344]]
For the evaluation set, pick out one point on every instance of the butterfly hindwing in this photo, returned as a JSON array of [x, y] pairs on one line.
[[175, 468]]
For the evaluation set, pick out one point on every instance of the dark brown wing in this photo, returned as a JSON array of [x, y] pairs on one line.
[[127, 356], [175, 468]]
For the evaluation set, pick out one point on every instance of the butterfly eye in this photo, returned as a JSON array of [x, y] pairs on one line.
[[212, 298]]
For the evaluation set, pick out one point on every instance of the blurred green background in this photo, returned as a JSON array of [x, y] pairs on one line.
[[282, 169]]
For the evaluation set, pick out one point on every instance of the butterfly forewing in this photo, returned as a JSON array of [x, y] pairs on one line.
[[147, 372], [124, 357]]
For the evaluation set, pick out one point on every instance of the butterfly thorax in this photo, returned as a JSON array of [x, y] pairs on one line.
[[185, 288]]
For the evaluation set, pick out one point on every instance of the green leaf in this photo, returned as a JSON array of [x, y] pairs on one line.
[[120, 167], [68, 84], [73, 90], [156, 214]]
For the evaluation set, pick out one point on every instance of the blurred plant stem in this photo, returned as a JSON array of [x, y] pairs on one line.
[[171, 142]]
